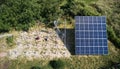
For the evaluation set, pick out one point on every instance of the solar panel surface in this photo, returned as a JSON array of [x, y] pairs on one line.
[[90, 35]]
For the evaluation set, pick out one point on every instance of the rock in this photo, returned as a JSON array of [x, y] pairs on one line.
[[43, 44]]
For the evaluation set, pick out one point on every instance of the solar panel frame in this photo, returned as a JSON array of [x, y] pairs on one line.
[[90, 35]]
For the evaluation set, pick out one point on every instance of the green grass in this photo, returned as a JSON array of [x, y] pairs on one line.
[[10, 41], [26, 64]]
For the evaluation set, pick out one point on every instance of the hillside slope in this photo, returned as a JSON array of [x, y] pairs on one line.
[[37, 44]]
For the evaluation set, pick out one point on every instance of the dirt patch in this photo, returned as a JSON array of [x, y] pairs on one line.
[[4, 65], [3, 54]]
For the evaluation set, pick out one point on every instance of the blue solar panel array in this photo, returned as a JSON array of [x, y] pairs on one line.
[[90, 35]]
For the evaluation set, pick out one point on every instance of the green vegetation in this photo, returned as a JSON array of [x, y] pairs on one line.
[[57, 64], [112, 37], [23, 14], [10, 41], [35, 67]]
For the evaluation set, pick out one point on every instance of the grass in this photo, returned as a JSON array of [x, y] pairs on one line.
[[3, 44], [10, 41], [7, 43], [26, 64]]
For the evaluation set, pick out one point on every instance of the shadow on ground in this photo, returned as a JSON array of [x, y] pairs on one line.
[[70, 39]]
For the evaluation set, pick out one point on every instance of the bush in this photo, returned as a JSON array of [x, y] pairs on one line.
[[112, 37], [72, 8], [35, 67], [17, 14], [57, 64], [4, 27], [89, 11]]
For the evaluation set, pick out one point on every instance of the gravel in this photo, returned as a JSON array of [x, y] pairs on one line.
[[48, 46]]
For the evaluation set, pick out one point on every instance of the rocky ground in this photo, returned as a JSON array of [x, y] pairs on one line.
[[41, 43]]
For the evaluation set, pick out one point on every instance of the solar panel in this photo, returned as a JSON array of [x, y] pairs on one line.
[[90, 35]]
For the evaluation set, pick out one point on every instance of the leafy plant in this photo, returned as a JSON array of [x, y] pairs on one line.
[[112, 37], [35, 67], [57, 64], [10, 41]]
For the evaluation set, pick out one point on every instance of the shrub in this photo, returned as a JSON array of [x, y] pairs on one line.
[[35, 67], [72, 7], [89, 11], [57, 64], [17, 14], [112, 37], [4, 27]]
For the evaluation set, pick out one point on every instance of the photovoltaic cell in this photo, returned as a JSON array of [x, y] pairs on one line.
[[90, 35]]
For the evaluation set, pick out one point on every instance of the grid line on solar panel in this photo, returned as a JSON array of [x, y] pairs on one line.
[[90, 31], [91, 20], [91, 25], [91, 49]]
